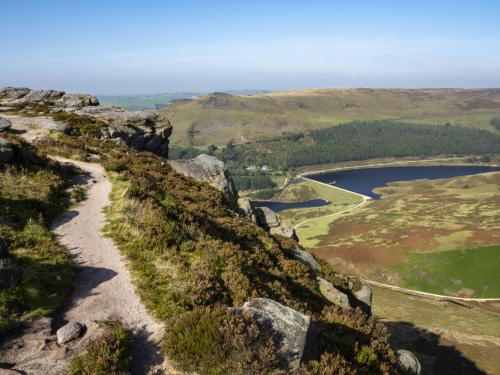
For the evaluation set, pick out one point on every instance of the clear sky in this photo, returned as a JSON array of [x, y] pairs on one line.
[[134, 47]]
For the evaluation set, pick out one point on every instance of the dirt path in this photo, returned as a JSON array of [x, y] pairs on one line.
[[104, 289]]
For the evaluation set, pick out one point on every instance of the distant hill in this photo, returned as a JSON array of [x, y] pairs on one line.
[[216, 118]]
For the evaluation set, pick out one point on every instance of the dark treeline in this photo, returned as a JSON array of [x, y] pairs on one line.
[[365, 140], [243, 179], [251, 180]]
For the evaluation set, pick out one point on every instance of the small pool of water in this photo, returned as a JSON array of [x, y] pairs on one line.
[[281, 206]]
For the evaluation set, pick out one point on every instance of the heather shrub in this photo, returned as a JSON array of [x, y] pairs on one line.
[[107, 354], [213, 340]]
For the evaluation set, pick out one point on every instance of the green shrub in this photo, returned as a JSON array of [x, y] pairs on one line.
[[31, 196], [213, 340], [105, 355]]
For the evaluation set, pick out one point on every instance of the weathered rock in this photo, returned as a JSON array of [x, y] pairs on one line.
[[143, 130], [6, 151], [408, 362], [306, 258], [284, 230], [10, 271], [246, 209], [69, 332], [268, 220], [266, 217], [364, 294], [289, 328], [78, 101], [332, 294], [5, 124], [12, 93], [210, 169], [23, 96]]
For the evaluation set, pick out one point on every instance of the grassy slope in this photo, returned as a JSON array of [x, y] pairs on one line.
[[30, 197], [306, 190], [191, 256], [441, 329], [419, 217], [218, 118], [458, 270]]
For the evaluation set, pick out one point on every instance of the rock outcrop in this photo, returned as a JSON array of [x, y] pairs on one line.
[[364, 295], [290, 329], [305, 257], [9, 268], [212, 170], [21, 96], [408, 363], [5, 124], [6, 151], [268, 220], [246, 209], [143, 130], [332, 294]]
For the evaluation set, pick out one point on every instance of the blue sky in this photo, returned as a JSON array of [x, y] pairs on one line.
[[135, 47]]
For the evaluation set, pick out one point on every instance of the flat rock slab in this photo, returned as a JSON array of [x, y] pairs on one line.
[[34, 128]]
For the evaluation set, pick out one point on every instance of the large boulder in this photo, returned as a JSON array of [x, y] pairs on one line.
[[5, 124], [78, 101], [268, 220], [266, 217], [13, 93], [69, 332], [408, 363], [9, 268], [246, 209], [305, 257], [364, 295], [210, 169], [332, 294], [290, 329], [6, 151], [284, 230]]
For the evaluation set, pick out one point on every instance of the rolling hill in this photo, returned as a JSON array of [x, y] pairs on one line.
[[217, 118]]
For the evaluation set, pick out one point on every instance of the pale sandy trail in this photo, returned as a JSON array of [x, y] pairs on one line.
[[103, 286]]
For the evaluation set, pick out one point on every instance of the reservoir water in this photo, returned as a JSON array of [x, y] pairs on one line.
[[281, 206], [364, 180]]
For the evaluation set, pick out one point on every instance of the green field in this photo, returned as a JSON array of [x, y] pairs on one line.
[[316, 220], [471, 273]]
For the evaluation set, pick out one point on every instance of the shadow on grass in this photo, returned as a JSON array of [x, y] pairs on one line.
[[434, 357]]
